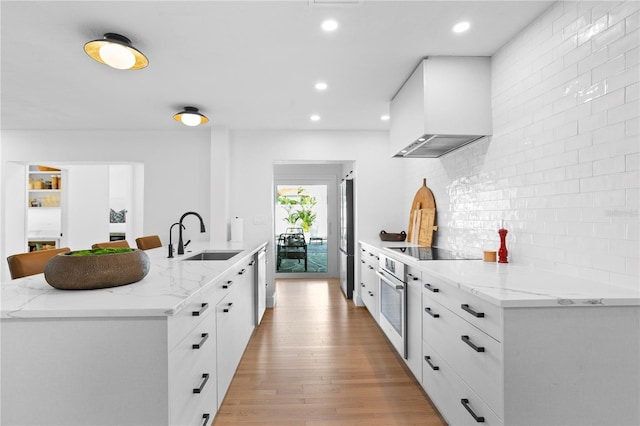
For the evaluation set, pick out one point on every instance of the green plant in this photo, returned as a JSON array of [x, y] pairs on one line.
[[97, 251], [288, 203], [306, 214]]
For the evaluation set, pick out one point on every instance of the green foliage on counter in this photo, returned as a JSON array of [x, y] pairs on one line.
[[98, 251]]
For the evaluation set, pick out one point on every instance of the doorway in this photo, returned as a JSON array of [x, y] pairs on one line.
[[313, 190], [301, 228]]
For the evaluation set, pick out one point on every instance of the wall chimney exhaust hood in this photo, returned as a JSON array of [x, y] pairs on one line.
[[444, 105]]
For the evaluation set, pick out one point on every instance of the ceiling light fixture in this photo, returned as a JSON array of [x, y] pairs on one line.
[[461, 27], [190, 117], [116, 51], [321, 85], [315, 117], [330, 25], [384, 117]]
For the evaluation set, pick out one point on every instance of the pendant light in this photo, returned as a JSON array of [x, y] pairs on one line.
[[190, 117], [116, 51]]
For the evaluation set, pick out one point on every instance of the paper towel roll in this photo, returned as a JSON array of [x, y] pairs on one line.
[[236, 229]]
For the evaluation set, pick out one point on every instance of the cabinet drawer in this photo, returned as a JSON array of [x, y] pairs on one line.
[[198, 410], [193, 357], [192, 314], [473, 354], [447, 390], [484, 315]]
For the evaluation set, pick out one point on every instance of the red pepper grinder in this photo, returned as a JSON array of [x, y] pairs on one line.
[[502, 252]]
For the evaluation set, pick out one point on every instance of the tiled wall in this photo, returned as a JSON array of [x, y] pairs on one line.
[[562, 166]]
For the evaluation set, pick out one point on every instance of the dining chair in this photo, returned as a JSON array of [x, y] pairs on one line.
[[148, 242], [25, 264], [118, 243]]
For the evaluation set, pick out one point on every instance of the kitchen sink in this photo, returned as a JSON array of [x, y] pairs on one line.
[[214, 255]]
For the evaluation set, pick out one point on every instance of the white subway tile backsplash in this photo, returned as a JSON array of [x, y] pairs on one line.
[[624, 44], [605, 38], [562, 168]]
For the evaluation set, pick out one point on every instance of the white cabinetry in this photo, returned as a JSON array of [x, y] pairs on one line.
[[369, 282], [235, 321], [414, 321], [528, 365]]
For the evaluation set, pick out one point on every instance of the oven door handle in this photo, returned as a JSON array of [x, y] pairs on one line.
[[387, 281]]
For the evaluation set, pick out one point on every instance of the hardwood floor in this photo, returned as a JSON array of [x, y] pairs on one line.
[[316, 359]]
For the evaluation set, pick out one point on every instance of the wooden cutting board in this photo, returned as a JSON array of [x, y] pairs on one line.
[[422, 217]]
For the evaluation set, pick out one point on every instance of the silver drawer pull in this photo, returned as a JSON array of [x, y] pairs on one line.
[[428, 310], [470, 343], [198, 345], [466, 308], [242, 271], [428, 359], [413, 277], [228, 308], [465, 404], [362, 261], [370, 267], [205, 379], [370, 293], [431, 288], [362, 285], [227, 284], [203, 308], [205, 419]]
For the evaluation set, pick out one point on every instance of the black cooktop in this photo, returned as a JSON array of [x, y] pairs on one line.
[[430, 253]]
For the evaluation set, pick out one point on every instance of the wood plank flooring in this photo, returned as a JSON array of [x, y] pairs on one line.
[[315, 360]]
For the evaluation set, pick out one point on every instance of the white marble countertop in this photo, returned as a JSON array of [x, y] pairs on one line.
[[512, 285], [167, 287]]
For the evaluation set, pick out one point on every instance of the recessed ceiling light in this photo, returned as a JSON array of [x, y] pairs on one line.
[[330, 25], [461, 27], [321, 85], [314, 117], [384, 117]]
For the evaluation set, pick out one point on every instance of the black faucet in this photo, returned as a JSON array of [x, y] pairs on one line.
[[170, 243], [180, 244]]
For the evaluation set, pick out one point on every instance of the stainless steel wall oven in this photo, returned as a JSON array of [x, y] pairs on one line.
[[393, 302]]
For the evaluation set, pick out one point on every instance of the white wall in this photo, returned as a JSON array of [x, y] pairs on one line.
[[176, 167], [379, 200], [562, 165]]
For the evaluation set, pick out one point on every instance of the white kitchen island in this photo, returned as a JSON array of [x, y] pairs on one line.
[[161, 351], [507, 344]]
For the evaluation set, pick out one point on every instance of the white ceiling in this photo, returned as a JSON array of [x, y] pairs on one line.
[[245, 64]]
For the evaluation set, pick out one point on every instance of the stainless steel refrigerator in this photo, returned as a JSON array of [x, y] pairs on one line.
[[347, 243]]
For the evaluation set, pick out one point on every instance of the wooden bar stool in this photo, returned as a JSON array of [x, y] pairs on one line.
[[119, 243], [148, 242], [25, 264]]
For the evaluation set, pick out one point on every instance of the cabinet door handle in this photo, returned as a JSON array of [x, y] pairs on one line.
[[433, 367], [370, 267], [205, 379], [251, 263], [228, 308], [465, 404], [370, 293], [228, 284], [362, 285], [470, 343], [431, 288], [413, 277], [241, 271], [362, 261], [198, 345], [203, 308], [466, 308], [205, 419], [428, 310]]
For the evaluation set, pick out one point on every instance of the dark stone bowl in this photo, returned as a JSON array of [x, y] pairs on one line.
[[67, 272]]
